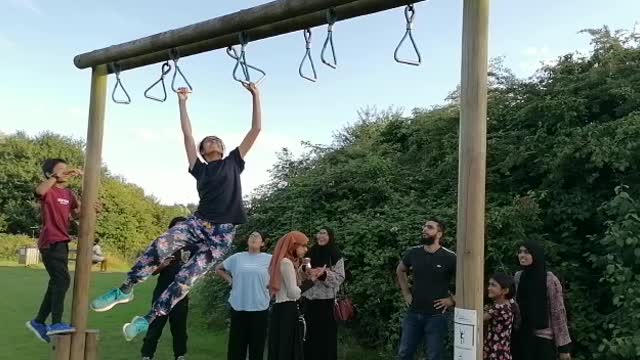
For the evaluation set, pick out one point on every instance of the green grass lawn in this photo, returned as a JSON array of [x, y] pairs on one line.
[[23, 290]]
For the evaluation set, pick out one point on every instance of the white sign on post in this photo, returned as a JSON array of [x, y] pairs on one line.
[[465, 326]]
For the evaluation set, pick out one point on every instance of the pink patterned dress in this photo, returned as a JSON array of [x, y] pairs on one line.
[[497, 342]]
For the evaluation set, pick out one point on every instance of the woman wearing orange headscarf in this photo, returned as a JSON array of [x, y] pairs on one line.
[[286, 331]]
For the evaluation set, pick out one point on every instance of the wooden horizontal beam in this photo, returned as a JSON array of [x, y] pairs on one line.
[[227, 24], [344, 12]]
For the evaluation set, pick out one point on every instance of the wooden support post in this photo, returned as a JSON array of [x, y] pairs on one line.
[[60, 347], [91, 181], [472, 162], [91, 345]]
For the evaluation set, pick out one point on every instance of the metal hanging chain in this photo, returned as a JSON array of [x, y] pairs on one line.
[[166, 69], [241, 62], [307, 55], [116, 70], [331, 20], [174, 56], [409, 14]]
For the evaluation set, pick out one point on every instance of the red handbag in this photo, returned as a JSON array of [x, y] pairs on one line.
[[343, 309]]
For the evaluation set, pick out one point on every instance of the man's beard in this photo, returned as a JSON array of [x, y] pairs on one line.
[[428, 240]]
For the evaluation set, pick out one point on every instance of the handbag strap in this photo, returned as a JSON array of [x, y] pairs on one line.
[[335, 291], [341, 289]]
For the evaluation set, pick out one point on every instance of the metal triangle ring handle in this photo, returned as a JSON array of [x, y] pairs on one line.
[[166, 69], [307, 55], [328, 42], [409, 14], [241, 62], [174, 56], [116, 70], [233, 53]]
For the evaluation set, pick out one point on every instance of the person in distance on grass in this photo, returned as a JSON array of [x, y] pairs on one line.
[[210, 230], [97, 256], [167, 272], [58, 205]]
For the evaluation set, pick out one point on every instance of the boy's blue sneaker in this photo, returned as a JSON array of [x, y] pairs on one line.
[[107, 301], [60, 328], [39, 329], [136, 327]]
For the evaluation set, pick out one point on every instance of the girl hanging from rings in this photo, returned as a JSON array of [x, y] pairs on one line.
[[210, 230]]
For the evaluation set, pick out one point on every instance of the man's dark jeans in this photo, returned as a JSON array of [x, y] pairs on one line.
[[418, 327]]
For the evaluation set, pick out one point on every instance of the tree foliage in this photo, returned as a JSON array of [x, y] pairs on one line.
[[559, 143], [129, 221]]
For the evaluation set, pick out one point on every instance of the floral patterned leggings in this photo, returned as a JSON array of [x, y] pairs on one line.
[[208, 244]]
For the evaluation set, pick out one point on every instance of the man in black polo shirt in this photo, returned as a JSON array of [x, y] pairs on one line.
[[431, 297]]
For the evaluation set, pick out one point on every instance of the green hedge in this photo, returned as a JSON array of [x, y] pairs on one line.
[[9, 245]]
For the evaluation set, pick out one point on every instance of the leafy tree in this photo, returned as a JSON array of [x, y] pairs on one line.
[[129, 221], [558, 144]]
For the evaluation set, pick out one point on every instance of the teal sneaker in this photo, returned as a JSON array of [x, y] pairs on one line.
[[136, 327], [107, 301]]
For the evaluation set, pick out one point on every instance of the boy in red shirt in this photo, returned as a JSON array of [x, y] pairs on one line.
[[58, 205]]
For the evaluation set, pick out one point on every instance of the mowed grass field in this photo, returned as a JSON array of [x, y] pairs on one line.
[[22, 290]]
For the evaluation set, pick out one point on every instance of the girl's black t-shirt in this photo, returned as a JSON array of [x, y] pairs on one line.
[[220, 189]]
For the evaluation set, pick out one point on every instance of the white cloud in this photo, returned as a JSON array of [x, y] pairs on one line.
[[30, 5]]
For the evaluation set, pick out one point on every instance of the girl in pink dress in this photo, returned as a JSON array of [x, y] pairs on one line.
[[500, 317]]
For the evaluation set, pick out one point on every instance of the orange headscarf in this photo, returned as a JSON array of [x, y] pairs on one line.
[[286, 247]]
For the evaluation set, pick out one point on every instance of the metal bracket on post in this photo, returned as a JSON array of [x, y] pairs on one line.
[[409, 15], [307, 55]]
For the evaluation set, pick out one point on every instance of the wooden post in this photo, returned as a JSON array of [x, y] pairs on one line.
[[91, 345], [61, 347], [91, 181], [472, 162]]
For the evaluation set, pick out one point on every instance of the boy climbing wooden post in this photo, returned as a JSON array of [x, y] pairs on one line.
[[58, 205]]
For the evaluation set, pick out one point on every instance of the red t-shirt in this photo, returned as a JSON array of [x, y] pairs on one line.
[[56, 206]]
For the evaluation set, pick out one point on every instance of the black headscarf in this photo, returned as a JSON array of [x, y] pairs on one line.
[[328, 254], [532, 290]]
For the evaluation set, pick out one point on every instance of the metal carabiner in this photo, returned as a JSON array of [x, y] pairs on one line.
[[115, 67], [233, 53], [166, 69], [307, 54], [331, 20], [409, 15], [174, 56]]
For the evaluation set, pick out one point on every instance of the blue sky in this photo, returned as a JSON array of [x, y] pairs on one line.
[[42, 89]]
